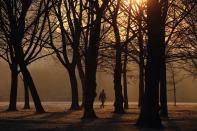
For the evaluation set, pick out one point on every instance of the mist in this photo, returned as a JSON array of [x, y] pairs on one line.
[[52, 82]]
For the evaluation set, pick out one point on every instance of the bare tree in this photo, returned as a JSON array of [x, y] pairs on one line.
[[118, 104], [149, 115], [69, 16], [92, 55], [21, 49]]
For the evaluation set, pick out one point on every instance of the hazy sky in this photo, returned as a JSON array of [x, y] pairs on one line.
[[53, 84]]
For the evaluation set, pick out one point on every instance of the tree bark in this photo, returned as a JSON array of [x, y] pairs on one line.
[[141, 62], [35, 96], [28, 78], [90, 90], [90, 72], [82, 79], [91, 57], [118, 104], [174, 86], [126, 105], [74, 89], [26, 96], [149, 114], [163, 85], [141, 82], [14, 84], [17, 32]]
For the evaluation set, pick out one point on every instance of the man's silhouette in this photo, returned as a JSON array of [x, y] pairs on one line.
[[102, 98]]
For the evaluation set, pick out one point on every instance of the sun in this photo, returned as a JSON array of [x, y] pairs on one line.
[[138, 1], [135, 2]]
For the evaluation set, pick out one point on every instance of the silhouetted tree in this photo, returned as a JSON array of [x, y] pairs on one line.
[[173, 15], [70, 26], [163, 88], [187, 40], [92, 55], [149, 115], [118, 104], [172, 72], [141, 54], [126, 104], [26, 94], [82, 79], [16, 27]]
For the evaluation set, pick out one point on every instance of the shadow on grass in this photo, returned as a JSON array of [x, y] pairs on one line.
[[113, 123]]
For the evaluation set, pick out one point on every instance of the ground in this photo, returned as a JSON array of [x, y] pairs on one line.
[[60, 118]]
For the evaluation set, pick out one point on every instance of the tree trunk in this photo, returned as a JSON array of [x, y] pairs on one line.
[[82, 78], [174, 95], [141, 63], [26, 95], [163, 85], [30, 83], [13, 92], [90, 72], [149, 114], [28, 78], [163, 91], [90, 90], [118, 104], [17, 32], [141, 83], [126, 105], [91, 57], [174, 86], [74, 89]]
